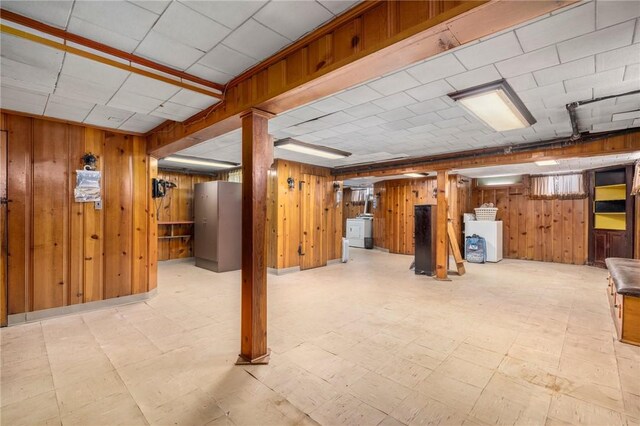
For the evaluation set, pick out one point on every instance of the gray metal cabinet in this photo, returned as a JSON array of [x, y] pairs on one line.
[[218, 225]]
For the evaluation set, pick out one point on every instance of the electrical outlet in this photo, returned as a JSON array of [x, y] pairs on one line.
[[98, 205]]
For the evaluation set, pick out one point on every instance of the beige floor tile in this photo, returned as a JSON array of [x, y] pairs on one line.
[[465, 371], [21, 388], [74, 396], [449, 391], [409, 407], [631, 404], [479, 356], [379, 392], [598, 373], [39, 409], [574, 411], [194, 408], [390, 421], [115, 410], [306, 391], [347, 410], [404, 372], [421, 355], [437, 413], [334, 343]]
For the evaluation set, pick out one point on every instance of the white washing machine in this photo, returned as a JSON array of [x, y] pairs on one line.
[[360, 232]]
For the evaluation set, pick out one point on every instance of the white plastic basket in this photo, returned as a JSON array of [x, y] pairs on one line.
[[486, 213]]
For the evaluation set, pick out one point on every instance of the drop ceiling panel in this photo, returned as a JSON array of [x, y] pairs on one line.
[[337, 6], [105, 116], [140, 123], [615, 11], [431, 90], [435, 69], [67, 108], [155, 6], [86, 91], [543, 58], [173, 111], [134, 102], [86, 69], [227, 60], [394, 83], [293, 19], [228, 13], [597, 42], [120, 17], [16, 99], [163, 49], [139, 84], [102, 35], [54, 13], [488, 52], [565, 71], [190, 28], [210, 74], [256, 40]]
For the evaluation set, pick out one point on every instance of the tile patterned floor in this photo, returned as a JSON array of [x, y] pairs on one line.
[[363, 343]]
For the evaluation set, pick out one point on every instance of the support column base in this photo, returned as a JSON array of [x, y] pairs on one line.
[[262, 360]]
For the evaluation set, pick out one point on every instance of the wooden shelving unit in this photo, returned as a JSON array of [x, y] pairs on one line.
[[172, 226], [609, 203]]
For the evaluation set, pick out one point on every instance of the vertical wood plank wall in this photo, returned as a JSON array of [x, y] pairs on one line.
[[284, 221], [62, 252], [393, 217], [349, 209], [543, 230], [178, 206]]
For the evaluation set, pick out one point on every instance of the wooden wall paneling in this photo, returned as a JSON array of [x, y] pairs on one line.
[[76, 217], [568, 227], [118, 152], [152, 227], [289, 224], [538, 223], [139, 272], [272, 218], [312, 219], [20, 143], [3, 223], [50, 220], [94, 232], [442, 218]]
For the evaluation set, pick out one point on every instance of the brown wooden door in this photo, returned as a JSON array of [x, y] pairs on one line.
[[3, 228], [619, 245], [600, 244], [312, 220]]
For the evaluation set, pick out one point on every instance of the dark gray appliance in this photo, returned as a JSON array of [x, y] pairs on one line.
[[218, 225], [425, 240]]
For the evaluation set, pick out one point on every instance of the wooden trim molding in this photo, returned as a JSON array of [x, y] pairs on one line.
[[372, 40], [100, 47]]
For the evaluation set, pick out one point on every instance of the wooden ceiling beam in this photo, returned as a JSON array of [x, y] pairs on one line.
[[103, 48], [367, 42], [614, 143]]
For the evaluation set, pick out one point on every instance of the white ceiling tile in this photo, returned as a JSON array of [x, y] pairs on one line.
[[614, 125], [209, 73], [607, 89], [394, 101], [255, 40], [117, 16], [306, 113], [419, 120], [611, 12], [563, 26], [566, 71], [155, 6], [539, 93], [364, 110], [193, 99], [425, 128], [27, 52], [338, 6], [336, 118], [369, 122], [605, 78], [396, 114], [359, 95], [227, 60], [394, 83], [528, 62], [22, 100], [618, 58], [522, 82], [18, 74], [96, 72], [141, 123], [190, 28], [87, 91], [139, 84], [230, 13], [597, 42], [102, 35], [474, 77], [397, 125], [105, 116], [431, 90], [175, 111], [452, 113], [632, 73], [428, 106], [157, 47], [292, 19], [636, 38], [67, 109], [490, 51], [134, 102], [346, 128], [330, 105], [436, 69], [54, 13], [562, 99]]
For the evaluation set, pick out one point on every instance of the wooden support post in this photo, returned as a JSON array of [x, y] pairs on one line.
[[257, 157], [442, 219]]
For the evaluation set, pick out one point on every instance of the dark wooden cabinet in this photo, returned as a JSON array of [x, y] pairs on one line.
[[610, 244], [425, 239]]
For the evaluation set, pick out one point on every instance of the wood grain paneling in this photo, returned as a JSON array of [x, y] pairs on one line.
[[62, 252], [287, 219], [393, 217], [3, 225], [543, 230]]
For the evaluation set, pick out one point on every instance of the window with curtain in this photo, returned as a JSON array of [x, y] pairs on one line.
[[570, 186]]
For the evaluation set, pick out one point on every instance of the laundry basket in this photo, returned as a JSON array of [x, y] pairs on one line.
[[486, 213]]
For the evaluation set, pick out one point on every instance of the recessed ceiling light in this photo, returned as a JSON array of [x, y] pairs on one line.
[[310, 149], [496, 104], [546, 163], [200, 162]]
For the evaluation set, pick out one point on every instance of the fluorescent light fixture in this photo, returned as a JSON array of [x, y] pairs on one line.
[[546, 163], [310, 149], [416, 175], [200, 162], [504, 180], [496, 104]]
